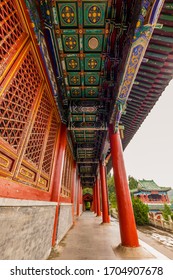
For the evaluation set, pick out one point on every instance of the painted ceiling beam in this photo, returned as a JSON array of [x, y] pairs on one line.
[[88, 128], [92, 162], [144, 28]]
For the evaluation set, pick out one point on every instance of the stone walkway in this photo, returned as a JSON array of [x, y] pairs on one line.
[[89, 239]]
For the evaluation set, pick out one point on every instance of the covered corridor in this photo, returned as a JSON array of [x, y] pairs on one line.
[[77, 80]]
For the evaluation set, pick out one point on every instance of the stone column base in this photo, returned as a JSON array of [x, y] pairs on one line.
[[130, 253]]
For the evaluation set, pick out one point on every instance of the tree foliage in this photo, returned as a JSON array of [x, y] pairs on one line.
[[111, 191], [133, 183], [140, 212], [87, 190], [166, 212]]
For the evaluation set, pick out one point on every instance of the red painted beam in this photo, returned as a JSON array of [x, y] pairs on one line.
[[12, 189]]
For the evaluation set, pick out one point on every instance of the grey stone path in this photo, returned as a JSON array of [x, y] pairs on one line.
[[89, 239]]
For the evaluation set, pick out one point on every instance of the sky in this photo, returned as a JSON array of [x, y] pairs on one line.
[[149, 155]]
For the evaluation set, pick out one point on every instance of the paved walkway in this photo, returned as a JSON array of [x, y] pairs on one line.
[[89, 239]]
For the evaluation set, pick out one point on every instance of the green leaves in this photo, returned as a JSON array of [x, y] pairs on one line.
[[140, 212], [166, 212]]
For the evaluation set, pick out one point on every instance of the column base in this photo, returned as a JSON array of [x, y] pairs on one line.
[[131, 253], [105, 224]]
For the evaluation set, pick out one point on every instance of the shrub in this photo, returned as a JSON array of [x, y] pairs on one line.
[[166, 212], [140, 212]]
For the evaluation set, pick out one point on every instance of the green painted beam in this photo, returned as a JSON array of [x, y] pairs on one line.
[[154, 63], [143, 79], [166, 17], [160, 48], [149, 68], [146, 74], [156, 55], [168, 6], [163, 39], [167, 29]]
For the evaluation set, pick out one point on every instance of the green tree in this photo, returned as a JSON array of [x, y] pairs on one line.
[[133, 183], [140, 211], [111, 191], [166, 212], [87, 190]]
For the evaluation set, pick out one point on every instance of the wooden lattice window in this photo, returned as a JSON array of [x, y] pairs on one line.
[[67, 173], [17, 100], [10, 32], [37, 136], [46, 167]]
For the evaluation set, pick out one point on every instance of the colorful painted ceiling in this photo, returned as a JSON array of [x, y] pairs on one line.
[[108, 62]]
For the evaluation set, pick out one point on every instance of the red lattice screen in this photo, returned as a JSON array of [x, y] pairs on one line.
[[10, 32], [37, 136], [67, 173], [50, 146], [17, 100]]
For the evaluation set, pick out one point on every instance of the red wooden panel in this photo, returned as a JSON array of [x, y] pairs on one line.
[[14, 189]]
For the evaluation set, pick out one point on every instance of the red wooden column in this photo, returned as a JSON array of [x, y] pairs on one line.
[[57, 176], [94, 199], [95, 191], [73, 188], [93, 203], [81, 195], [98, 196], [127, 223], [104, 191], [78, 196]]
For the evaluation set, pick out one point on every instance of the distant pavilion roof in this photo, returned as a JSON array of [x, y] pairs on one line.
[[150, 185]]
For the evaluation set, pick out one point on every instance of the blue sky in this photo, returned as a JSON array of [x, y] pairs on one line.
[[149, 155]]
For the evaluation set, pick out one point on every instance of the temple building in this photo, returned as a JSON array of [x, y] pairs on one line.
[[152, 194]]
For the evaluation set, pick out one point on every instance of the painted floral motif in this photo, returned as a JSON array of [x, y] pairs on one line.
[[91, 79], [68, 14], [72, 63], [94, 14], [92, 63], [131, 70], [74, 80], [91, 92], [70, 43], [76, 92]]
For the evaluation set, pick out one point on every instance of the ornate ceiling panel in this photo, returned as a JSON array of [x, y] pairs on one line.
[[111, 60], [82, 30]]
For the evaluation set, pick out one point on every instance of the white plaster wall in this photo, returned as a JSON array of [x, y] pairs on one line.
[[65, 220], [26, 229]]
